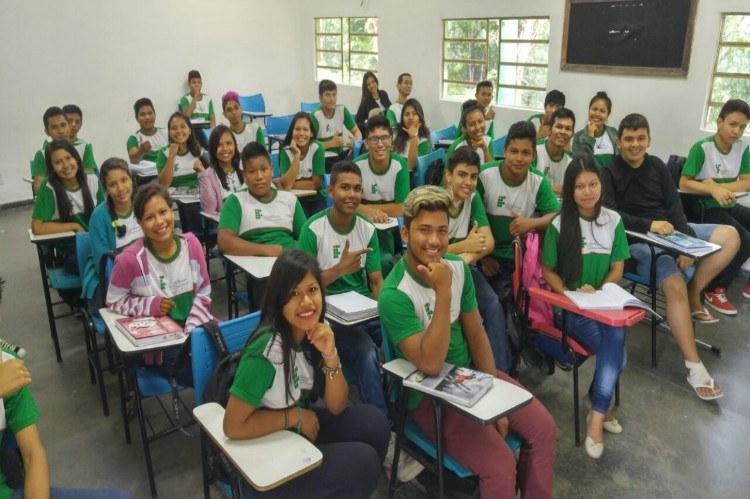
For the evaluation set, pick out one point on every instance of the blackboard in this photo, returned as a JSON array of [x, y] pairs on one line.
[[644, 37]]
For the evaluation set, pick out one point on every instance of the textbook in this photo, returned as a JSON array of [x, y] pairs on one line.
[[459, 385], [144, 168], [147, 331], [351, 307], [610, 297], [681, 240]]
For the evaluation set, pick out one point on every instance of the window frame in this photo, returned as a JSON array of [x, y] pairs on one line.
[[346, 69]]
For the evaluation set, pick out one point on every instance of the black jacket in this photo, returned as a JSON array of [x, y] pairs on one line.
[[367, 105]]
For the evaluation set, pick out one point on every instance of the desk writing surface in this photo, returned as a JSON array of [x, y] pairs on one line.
[[695, 253], [39, 238], [330, 154], [389, 224], [257, 266], [616, 318], [211, 216], [303, 193], [143, 168], [124, 345], [28, 180], [266, 461], [199, 122]]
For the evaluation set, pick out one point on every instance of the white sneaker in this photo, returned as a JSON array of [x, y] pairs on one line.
[[408, 467]]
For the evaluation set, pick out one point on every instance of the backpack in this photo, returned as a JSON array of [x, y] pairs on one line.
[[532, 276], [434, 173]]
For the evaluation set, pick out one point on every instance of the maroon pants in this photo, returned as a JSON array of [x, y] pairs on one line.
[[484, 451]]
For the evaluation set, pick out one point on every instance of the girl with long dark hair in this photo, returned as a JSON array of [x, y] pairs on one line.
[[372, 98], [412, 135], [179, 162], [302, 162], [223, 175]]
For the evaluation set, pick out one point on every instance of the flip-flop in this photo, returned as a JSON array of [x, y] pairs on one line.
[[703, 312], [709, 383]]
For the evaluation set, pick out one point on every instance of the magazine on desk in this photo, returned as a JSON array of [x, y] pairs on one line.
[[610, 297], [459, 385], [681, 240], [148, 331]]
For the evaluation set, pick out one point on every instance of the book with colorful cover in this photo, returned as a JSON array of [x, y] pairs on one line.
[[681, 240], [147, 331], [460, 385]]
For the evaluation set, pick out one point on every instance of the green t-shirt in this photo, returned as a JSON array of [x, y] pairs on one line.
[[45, 203], [461, 141], [183, 173], [603, 242], [85, 151], [203, 110], [172, 278], [424, 148], [554, 170], [388, 186], [158, 140], [406, 306], [326, 243], [260, 379], [705, 160], [325, 127], [501, 199], [312, 164], [394, 113], [251, 132], [19, 412], [276, 221], [470, 212]]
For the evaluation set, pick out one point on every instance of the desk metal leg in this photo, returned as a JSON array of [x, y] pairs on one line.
[[124, 384], [144, 432], [204, 465], [652, 289], [576, 410], [48, 303], [438, 408]]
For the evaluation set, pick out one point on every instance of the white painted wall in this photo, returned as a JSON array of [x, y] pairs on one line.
[[105, 55], [410, 41]]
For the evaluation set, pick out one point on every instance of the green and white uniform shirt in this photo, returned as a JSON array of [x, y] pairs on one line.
[[394, 113], [407, 304], [45, 203], [326, 128], [276, 221], [203, 110], [325, 242], [183, 174], [169, 278], [84, 149], [536, 120], [501, 199], [260, 379], [389, 186], [603, 242], [251, 132], [554, 170], [233, 184], [158, 140], [312, 164], [471, 211], [133, 230], [423, 148], [604, 148], [705, 160], [461, 141]]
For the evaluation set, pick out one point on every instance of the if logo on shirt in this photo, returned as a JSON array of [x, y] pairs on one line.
[[583, 241], [717, 167], [328, 129], [295, 378], [374, 189], [337, 251], [162, 283], [258, 214], [428, 310], [500, 201]]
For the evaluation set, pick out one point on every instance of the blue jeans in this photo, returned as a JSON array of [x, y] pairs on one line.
[[608, 344], [358, 347], [493, 317], [62, 493]]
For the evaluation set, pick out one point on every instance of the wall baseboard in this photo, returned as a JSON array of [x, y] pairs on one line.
[[16, 204]]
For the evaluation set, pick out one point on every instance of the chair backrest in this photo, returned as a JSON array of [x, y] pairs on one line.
[[424, 162], [357, 149], [308, 107], [206, 133], [674, 165], [278, 125], [275, 163], [498, 147], [205, 357], [327, 182], [253, 103], [83, 250], [450, 132]]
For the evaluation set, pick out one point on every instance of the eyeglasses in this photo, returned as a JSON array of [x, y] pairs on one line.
[[374, 140]]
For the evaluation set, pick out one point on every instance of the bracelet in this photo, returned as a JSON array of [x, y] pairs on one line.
[[286, 418], [333, 355], [331, 372], [298, 428]]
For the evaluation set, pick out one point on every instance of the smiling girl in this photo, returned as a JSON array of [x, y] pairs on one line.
[[302, 162], [473, 132], [178, 162], [412, 135], [597, 138], [224, 175]]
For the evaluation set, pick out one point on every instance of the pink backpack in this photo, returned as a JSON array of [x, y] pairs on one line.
[[539, 311]]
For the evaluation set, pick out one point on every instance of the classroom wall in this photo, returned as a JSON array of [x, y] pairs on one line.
[[410, 37], [104, 55]]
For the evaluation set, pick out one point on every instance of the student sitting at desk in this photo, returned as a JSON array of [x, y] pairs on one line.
[[429, 313], [517, 200], [74, 115], [330, 120], [403, 84], [553, 101], [65, 200], [57, 128], [161, 274], [719, 166], [244, 133], [372, 99], [385, 184], [223, 176], [483, 98], [470, 238], [146, 143], [113, 224], [196, 105], [585, 247], [472, 132], [597, 137], [302, 163], [552, 157], [290, 361], [179, 162], [412, 137], [640, 188]]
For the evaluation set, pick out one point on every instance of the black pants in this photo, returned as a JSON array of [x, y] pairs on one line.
[[353, 444], [739, 218]]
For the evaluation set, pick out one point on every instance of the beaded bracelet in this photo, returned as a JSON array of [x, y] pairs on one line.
[[331, 372]]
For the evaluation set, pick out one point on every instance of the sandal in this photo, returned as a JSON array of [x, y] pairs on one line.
[[613, 426], [699, 378], [707, 318]]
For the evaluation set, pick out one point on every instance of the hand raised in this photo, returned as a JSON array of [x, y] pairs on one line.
[[321, 337], [437, 274], [350, 261]]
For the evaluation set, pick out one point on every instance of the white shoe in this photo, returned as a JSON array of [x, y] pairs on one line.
[[408, 467], [613, 426], [593, 449]]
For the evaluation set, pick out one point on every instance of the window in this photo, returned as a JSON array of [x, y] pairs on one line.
[[345, 48], [731, 76], [511, 52]]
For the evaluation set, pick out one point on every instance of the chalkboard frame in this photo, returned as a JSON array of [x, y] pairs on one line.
[[680, 72]]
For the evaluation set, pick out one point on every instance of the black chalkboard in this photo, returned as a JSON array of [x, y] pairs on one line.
[[629, 36]]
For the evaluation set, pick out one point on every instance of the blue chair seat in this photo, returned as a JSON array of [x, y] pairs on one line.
[[632, 276], [60, 279], [99, 325], [151, 383]]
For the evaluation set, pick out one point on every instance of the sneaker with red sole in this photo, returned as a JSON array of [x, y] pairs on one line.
[[746, 290], [718, 300]]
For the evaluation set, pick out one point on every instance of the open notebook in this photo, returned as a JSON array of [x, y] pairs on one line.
[[610, 297]]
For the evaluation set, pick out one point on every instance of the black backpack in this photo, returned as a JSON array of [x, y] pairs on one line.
[[434, 173]]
